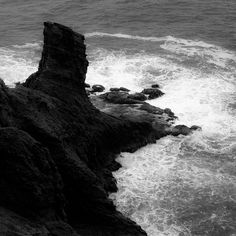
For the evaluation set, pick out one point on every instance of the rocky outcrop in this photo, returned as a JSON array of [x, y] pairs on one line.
[[58, 150]]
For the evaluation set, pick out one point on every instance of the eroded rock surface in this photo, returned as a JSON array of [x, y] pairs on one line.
[[58, 150]]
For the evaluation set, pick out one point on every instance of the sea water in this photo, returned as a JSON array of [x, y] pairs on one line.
[[183, 185]]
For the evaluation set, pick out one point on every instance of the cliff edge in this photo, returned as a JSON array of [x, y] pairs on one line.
[[58, 151]]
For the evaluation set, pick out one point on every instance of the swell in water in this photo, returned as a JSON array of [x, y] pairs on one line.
[[180, 186]]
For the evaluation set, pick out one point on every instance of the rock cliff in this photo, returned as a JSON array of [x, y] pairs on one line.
[[58, 151]]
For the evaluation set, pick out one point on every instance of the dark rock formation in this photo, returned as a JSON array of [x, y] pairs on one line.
[[98, 88], [180, 129], [119, 89], [118, 97], [152, 92], [155, 86], [58, 150], [137, 96], [195, 127]]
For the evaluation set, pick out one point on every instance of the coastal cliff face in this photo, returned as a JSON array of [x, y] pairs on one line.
[[58, 151]]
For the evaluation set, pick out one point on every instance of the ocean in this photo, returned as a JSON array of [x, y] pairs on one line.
[[180, 186]]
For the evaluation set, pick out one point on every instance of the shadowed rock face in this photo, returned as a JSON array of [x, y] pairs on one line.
[[58, 150]]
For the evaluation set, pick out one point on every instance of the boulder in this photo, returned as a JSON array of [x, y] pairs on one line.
[[180, 129], [114, 89], [98, 88], [124, 89], [169, 112], [195, 127], [155, 86], [152, 92], [119, 89]]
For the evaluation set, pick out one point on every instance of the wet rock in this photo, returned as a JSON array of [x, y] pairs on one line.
[[137, 96], [180, 129], [152, 92], [155, 86], [58, 150], [119, 98], [114, 89], [98, 88], [195, 127], [124, 89], [169, 112], [151, 109]]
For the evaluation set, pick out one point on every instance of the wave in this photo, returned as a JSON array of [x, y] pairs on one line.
[[125, 36], [212, 53]]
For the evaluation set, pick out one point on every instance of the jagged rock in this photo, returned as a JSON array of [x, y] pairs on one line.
[[98, 88], [153, 93], [66, 147], [137, 96], [58, 150], [155, 86]]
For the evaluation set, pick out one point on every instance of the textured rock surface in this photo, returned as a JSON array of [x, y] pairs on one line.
[[58, 150]]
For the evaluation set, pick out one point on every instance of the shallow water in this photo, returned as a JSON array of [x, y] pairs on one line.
[[180, 185]]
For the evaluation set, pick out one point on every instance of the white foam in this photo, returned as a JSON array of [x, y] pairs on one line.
[[126, 36], [161, 182], [17, 63], [210, 52]]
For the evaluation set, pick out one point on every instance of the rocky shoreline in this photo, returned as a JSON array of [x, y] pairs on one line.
[[58, 146]]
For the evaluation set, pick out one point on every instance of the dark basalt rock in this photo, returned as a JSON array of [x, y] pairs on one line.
[[124, 89], [195, 127], [180, 129], [155, 86], [119, 89], [137, 96], [153, 93], [118, 97], [58, 150], [114, 89], [98, 88]]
